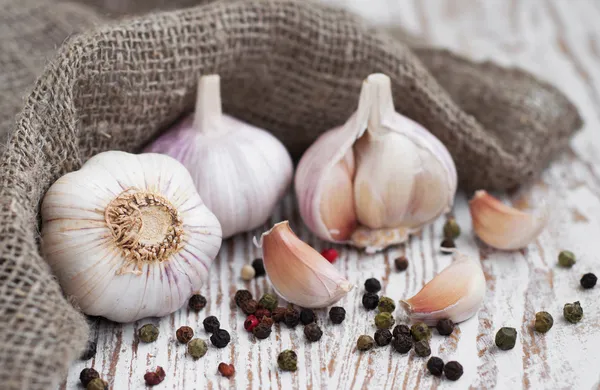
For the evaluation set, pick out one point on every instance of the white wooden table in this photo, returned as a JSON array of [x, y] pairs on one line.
[[558, 40]]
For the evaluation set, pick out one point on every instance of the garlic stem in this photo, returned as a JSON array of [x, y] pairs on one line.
[[208, 114]]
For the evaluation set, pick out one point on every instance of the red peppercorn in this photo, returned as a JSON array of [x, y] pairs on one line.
[[330, 254], [251, 322], [154, 378], [227, 370]]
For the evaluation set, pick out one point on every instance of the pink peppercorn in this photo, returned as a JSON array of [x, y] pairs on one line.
[[251, 322], [260, 313], [330, 254]]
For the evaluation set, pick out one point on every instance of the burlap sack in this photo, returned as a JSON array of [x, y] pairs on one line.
[[292, 67]]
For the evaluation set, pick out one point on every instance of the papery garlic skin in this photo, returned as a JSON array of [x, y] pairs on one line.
[[100, 223], [299, 273], [456, 293], [240, 171], [376, 179]]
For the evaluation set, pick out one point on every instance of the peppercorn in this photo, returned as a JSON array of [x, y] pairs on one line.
[[148, 333], [420, 331], [259, 267], [370, 300], [247, 272], [313, 332], [447, 244], [197, 302], [337, 314], [401, 330], [307, 316], [506, 338], [291, 317], [330, 255], [154, 378], [401, 263], [566, 259], [386, 305], [287, 360], [451, 229], [97, 384], [87, 375], [278, 314], [372, 285], [211, 324], [197, 348], [242, 296], [268, 321], [184, 334], [588, 280], [543, 321], [365, 342], [227, 370], [260, 313], [435, 365], [422, 348], [251, 322], [402, 343], [261, 331], [384, 320], [249, 307], [221, 338], [453, 370], [383, 337], [90, 351], [573, 312], [268, 301], [445, 327]]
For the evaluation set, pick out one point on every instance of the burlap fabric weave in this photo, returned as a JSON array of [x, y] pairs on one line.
[[292, 67]]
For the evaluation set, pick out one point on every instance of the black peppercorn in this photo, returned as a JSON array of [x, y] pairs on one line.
[[402, 343], [291, 317], [337, 314], [184, 334], [422, 348], [261, 331], [211, 324], [313, 332], [278, 314], [90, 351], [259, 267], [372, 285], [383, 337], [197, 302], [401, 330], [506, 338], [221, 338], [453, 370], [445, 327], [447, 243], [249, 307], [401, 263], [307, 316], [370, 300], [435, 365], [87, 375], [242, 296], [588, 280], [260, 313]]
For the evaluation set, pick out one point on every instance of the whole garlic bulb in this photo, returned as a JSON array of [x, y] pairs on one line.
[[128, 235], [377, 178], [240, 171]]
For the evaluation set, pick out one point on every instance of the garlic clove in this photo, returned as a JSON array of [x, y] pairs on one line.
[[299, 273], [504, 227], [456, 293]]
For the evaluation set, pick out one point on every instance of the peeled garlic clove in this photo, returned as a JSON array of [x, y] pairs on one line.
[[501, 226], [298, 273], [378, 178], [240, 171], [456, 293], [128, 235]]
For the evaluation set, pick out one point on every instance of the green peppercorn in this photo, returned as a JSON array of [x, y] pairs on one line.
[[287, 360], [384, 320], [422, 348], [87, 375], [97, 384], [543, 321], [197, 348], [365, 342], [386, 305], [451, 229], [420, 331], [148, 333], [573, 312], [268, 301], [402, 343], [383, 337], [506, 338], [566, 259]]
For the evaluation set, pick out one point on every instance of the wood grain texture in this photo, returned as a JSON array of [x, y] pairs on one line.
[[557, 40]]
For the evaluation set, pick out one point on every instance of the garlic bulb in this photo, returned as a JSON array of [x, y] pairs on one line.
[[128, 236], [298, 273], [376, 179], [240, 171], [456, 293]]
